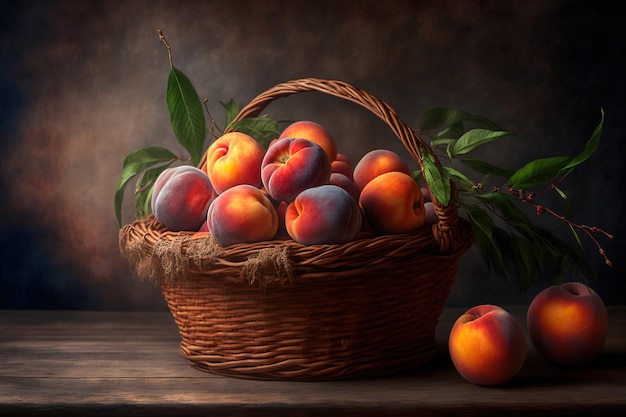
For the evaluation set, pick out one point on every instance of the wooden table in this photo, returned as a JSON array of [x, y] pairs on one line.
[[88, 363]]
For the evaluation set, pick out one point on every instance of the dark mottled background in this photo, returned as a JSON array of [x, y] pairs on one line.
[[82, 83]]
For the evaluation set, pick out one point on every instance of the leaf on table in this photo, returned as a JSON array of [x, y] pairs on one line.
[[186, 114]]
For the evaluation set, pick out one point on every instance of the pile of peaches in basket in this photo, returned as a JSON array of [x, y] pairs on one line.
[[302, 188], [299, 188]]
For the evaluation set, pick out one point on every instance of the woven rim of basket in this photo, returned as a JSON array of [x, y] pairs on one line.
[[157, 254]]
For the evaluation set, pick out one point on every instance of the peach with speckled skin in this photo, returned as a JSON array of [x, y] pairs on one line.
[[568, 323], [180, 198], [393, 203], [292, 165], [234, 158], [315, 132], [375, 163], [242, 214], [487, 345], [325, 214]]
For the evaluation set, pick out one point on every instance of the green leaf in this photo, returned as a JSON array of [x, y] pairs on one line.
[[232, 110], [262, 128], [436, 179], [453, 132], [144, 188], [525, 262], [442, 141], [506, 204], [186, 114], [476, 137], [483, 231], [461, 179], [134, 163], [590, 147], [436, 117], [485, 168], [538, 172]]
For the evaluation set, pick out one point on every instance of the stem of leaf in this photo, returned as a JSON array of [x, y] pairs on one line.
[[169, 50]]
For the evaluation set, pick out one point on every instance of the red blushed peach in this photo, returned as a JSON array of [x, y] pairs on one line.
[[234, 159], [487, 345], [292, 165], [314, 132], [180, 198], [343, 158], [346, 183], [567, 323], [326, 214], [342, 167], [242, 214], [375, 163], [393, 203]]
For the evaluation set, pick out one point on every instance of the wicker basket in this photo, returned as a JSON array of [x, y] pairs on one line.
[[279, 310]]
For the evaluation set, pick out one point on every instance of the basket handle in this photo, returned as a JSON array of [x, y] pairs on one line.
[[448, 215]]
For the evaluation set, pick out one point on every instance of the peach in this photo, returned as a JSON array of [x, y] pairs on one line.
[[292, 165], [343, 158], [234, 158], [346, 183], [325, 214], [430, 214], [316, 133], [487, 345], [393, 203], [567, 323], [342, 167], [180, 198], [242, 214], [376, 162]]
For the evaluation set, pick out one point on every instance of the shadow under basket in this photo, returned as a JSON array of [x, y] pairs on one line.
[[279, 310]]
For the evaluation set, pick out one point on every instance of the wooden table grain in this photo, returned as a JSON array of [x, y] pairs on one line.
[[89, 363]]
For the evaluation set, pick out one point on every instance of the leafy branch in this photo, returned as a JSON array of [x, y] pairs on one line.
[[188, 123], [509, 241]]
